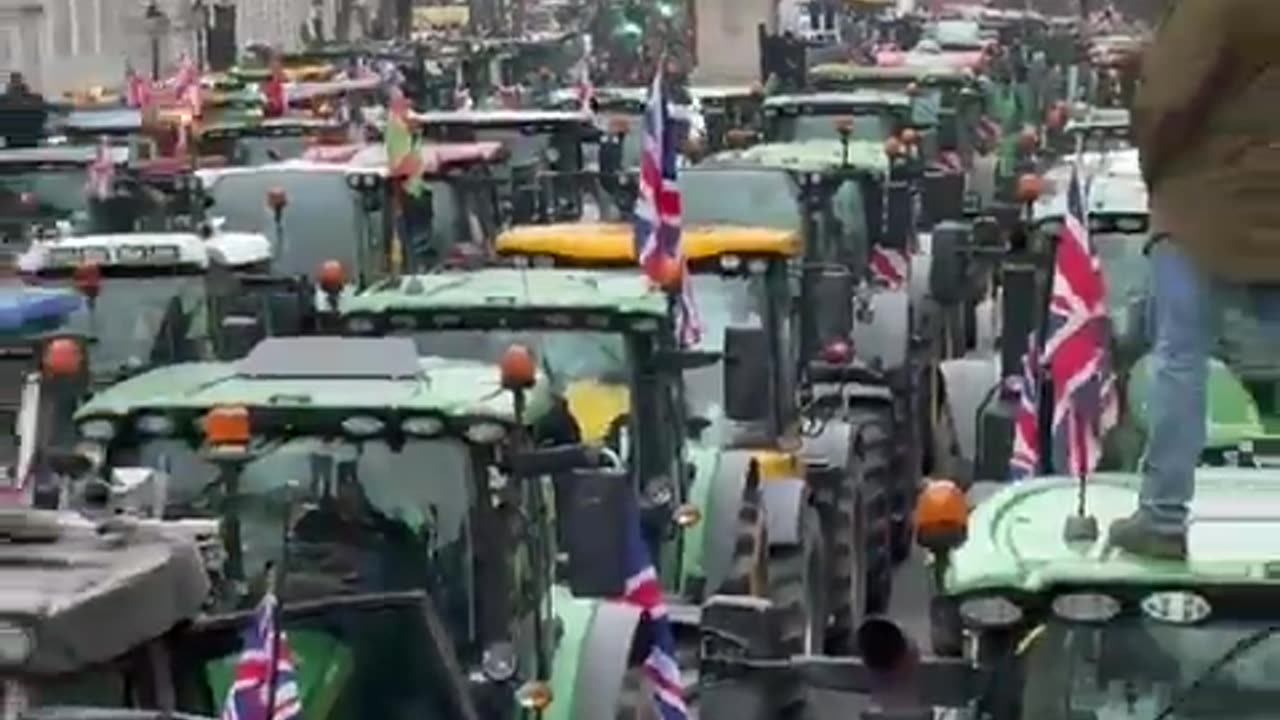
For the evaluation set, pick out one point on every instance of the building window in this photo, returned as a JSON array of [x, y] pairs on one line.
[[86, 14], [60, 18]]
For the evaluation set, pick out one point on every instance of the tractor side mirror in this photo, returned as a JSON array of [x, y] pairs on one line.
[[831, 291], [947, 268], [237, 334], [943, 196], [747, 378], [595, 530]]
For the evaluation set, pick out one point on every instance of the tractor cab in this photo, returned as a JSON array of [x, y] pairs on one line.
[[389, 496], [335, 203], [151, 298], [726, 109], [872, 115], [606, 344], [623, 110], [32, 415], [946, 101], [1097, 130], [545, 171], [250, 142]]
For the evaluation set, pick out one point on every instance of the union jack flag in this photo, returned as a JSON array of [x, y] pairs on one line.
[[1025, 461], [644, 590], [1085, 402], [247, 697], [658, 207], [101, 172], [889, 266], [137, 88]]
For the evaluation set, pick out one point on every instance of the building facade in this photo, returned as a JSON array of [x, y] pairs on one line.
[[67, 45]]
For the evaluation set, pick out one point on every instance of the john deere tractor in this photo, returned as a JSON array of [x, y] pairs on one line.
[[361, 476]]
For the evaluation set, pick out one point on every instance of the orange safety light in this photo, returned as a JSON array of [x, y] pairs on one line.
[[910, 137], [518, 368], [619, 125], [332, 277], [88, 279], [844, 126], [227, 426], [62, 358], [941, 508], [837, 352], [1030, 188], [277, 199], [667, 273], [1028, 140], [893, 147]]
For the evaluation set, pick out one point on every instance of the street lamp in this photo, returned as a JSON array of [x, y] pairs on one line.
[[157, 23]]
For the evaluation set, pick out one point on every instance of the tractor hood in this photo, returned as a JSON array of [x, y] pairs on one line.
[[1232, 415]]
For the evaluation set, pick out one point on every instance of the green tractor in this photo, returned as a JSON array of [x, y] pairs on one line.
[[1056, 623], [803, 516], [366, 474], [164, 654], [607, 346]]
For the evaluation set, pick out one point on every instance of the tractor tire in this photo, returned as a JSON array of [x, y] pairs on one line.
[[798, 586], [749, 567], [873, 425], [848, 603]]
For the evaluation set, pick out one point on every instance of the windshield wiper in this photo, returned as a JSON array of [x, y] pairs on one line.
[[79, 712], [1242, 646]]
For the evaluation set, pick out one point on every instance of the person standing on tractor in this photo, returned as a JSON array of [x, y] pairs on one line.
[[1209, 139]]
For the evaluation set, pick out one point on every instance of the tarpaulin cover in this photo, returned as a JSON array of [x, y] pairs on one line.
[[20, 306]]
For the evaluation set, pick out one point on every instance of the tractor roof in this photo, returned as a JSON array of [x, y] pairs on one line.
[[1115, 186], [1015, 539], [61, 588], [23, 307], [611, 243], [861, 96], [539, 289], [923, 74], [305, 373], [803, 156]]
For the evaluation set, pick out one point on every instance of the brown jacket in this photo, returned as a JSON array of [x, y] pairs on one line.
[[1207, 122]]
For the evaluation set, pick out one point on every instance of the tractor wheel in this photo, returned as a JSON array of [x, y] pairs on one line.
[[873, 425], [748, 570], [798, 586], [849, 563]]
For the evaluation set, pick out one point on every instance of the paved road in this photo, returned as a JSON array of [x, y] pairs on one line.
[[911, 610]]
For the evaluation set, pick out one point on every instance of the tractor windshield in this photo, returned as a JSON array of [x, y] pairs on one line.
[[321, 222], [722, 302], [867, 125], [141, 322], [54, 192], [566, 356], [353, 661], [754, 198], [368, 517], [1138, 668]]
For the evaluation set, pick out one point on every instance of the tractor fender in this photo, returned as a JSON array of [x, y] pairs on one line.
[[966, 383], [723, 498], [784, 502], [829, 446], [591, 656], [887, 334]]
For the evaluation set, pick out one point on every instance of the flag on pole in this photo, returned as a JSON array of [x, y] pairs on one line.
[[274, 92], [404, 153], [101, 172], [644, 590], [265, 667], [658, 206], [1025, 461], [889, 266], [137, 88], [1085, 402]]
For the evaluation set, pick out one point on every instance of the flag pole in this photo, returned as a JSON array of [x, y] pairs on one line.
[[275, 582]]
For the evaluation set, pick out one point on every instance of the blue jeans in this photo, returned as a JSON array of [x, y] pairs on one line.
[[1186, 306]]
